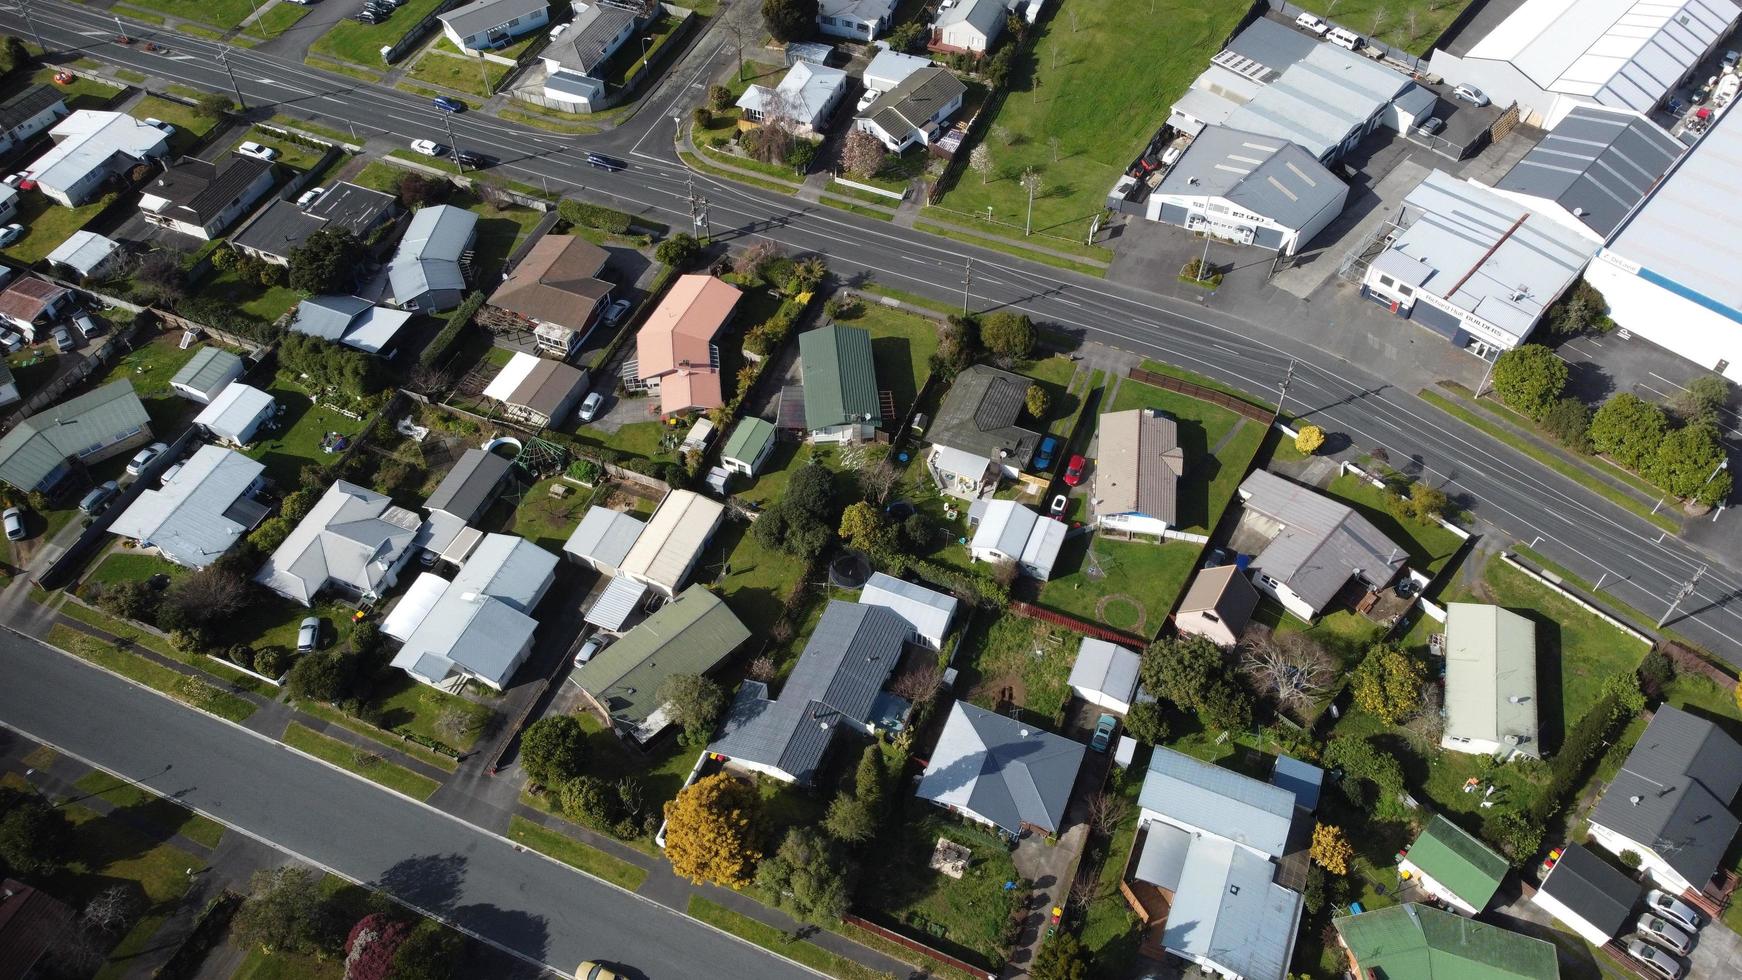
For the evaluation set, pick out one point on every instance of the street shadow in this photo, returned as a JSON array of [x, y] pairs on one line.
[[1589, 382], [521, 931], [431, 881]]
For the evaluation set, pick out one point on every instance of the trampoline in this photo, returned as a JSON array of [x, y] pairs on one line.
[[850, 571]]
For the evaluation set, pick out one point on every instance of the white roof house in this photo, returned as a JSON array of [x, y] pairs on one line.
[[1005, 530], [485, 24], [236, 414], [90, 146], [890, 68], [1105, 674], [1490, 702], [808, 93], [1553, 55], [353, 539], [481, 627], [84, 253], [672, 541], [206, 374], [969, 25], [200, 512], [603, 538], [927, 610]]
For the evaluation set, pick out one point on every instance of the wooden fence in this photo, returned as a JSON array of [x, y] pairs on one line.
[[1076, 625], [1238, 406], [917, 946]]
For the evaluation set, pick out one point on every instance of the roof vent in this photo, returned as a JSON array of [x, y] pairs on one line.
[[1233, 889], [1518, 698], [1635, 799], [1023, 732], [1578, 212], [1512, 740]]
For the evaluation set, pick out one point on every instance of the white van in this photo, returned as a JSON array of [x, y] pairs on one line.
[[1342, 37], [1312, 24]]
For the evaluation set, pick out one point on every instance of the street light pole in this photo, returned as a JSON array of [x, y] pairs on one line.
[[1282, 394], [224, 59]]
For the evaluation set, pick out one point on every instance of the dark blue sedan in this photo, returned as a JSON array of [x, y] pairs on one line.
[[448, 104], [1049, 448]]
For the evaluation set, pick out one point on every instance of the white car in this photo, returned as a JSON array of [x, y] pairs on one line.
[[1471, 94], [429, 148], [871, 95], [13, 180], [258, 152], [10, 234], [594, 644], [557, 31], [143, 458], [1672, 909], [1311, 24], [168, 130], [14, 519], [1658, 929], [590, 406], [310, 196], [1655, 960]]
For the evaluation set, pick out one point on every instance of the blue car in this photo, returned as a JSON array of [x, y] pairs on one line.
[[1103, 733], [1049, 448], [448, 104]]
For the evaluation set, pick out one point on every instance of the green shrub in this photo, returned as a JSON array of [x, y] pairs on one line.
[[443, 342], [594, 216]]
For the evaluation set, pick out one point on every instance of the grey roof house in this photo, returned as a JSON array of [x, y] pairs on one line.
[[201, 512], [1593, 898], [350, 320], [1104, 674], [928, 611], [691, 634], [603, 538], [471, 485], [206, 374], [840, 384], [1001, 771], [201, 198], [1135, 486], [41, 450], [1310, 546], [913, 112], [28, 113], [481, 626], [1197, 795], [353, 539], [976, 439], [1670, 804], [1250, 189], [428, 273], [836, 682], [487, 24], [1594, 167], [277, 230], [1490, 681], [536, 390]]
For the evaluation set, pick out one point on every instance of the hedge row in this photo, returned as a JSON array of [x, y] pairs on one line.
[[443, 342]]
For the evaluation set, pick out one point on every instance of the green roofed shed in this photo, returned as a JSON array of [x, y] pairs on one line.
[[748, 445], [1453, 861], [1418, 942]]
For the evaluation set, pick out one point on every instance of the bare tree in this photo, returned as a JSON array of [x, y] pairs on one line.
[[454, 724], [1001, 134], [497, 197], [981, 162], [762, 669], [1083, 889], [209, 595], [1053, 143], [878, 480], [112, 909], [1071, 15], [921, 685], [1378, 22], [1106, 812], [1289, 668], [779, 126], [863, 154], [427, 379], [756, 257], [1031, 182]]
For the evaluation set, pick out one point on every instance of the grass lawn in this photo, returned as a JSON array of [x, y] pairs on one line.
[[902, 345], [258, 964], [380, 176], [644, 439], [79, 93], [542, 519], [149, 808], [290, 154], [1010, 658], [771, 938], [1430, 546], [361, 44], [757, 580], [150, 366], [133, 566], [575, 854], [188, 690], [459, 73], [498, 230], [1054, 374], [1210, 477], [965, 917], [334, 716], [416, 708], [218, 13], [47, 224], [1138, 583], [1399, 23], [1102, 90], [297, 443], [1109, 928], [190, 126], [361, 762], [277, 20], [263, 303]]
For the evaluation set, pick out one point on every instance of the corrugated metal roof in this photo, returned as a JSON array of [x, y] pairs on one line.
[[915, 101], [509, 568], [604, 537], [1105, 668], [483, 621], [1448, 854], [351, 535], [1228, 909], [470, 486], [1266, 175], [1163, 856], [929, 612], [749, 437], [1321, 99], [84, 252], [1420, 942], [1226, 591], [1002, 770], [236, 412], [1597, 163], [209, 370], [674, 537], [616, 604], [1320, 543], [1206, 796], [191, 518], [840, 377], [1491, 676], [39, 444], [1303, 779], [412, 608], [691, 634], [1674, 792], [482, 15], [429, 255]]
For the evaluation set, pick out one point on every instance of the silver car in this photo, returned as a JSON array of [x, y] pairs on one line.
[[1655, 960], [308, 635], [1672, 909], [1658, 929], [14, 518]]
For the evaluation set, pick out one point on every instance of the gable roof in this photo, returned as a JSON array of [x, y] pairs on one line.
[[468, 487], [234, 412], [1420, 942], [32, 923], [840, 379], [1002, 770], [283, 225], [429, 255], [1266, 175], [1302, 779], [691, 634], [88, 140], [914, 101], [748, 439], [673, 537], [352, 535], [806, 90], [1320, 99], [27, 105], [1224, 591], [604, 536], [483, 618], [1016, 532], [1592, 889], [985, 16], [28, 297], [481, 15], [1491, 676], [1674, 792], [199, 190], [209, 368], [1320, 543], [1105, 668], [538, 384], [928, 611], [979, 415], [198, 514], [1218, 801], [1138, 465], [1228, 909], [556, 281], [83, 252], [892, 66], [1448, 854], [40, 443], [589, 39], [1597, 163], [349, 320]]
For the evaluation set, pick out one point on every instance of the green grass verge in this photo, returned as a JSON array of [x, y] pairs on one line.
[[1399, 23], [1430, 546], [768, 185], [313, 129], [149, 808], [857, 209], [361, 44], [1045, 258], [191, 691], [130, 633], [130, 76], [576, 854], [342, 68], [474, 76], [334, 716], [369, 766], [538, 117], [778, 941]]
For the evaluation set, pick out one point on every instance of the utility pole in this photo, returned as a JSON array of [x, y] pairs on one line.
[[224, 59], [698, 212], [24, 8], [453, 144], [1282, 394], [1686, 590], [1486, 375], [967, 282]]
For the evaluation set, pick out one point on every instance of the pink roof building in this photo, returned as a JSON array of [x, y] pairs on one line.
[[675, 348]]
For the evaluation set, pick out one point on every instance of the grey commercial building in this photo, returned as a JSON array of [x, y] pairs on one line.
[[1595, 167], [428, 273], [1249, 188]]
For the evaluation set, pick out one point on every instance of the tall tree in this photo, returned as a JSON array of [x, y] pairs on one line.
[[326, 262], [1530, 377], [808, 876], [553, 750], [709, 835], [287, 910], [1008, 334], [34, 835], [863, 154], [1061, 957], [694, 703], [789, 20], [1388, 683]]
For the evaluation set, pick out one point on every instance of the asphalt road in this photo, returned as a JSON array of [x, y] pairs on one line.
[[525, 903], [1496, 484]]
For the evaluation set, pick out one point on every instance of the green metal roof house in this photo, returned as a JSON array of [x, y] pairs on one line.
[[206, 374], [40, 451], [1454, 867], [1418, 942], [748, 445], [840, 384], [1490, 681], [691, 634]]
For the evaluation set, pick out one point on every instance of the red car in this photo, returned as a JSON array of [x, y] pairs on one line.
[[1074, 470]]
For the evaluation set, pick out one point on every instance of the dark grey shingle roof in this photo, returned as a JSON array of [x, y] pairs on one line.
[[911, 104], [1002, 769], [1674, 792], [468, 487], [1592, 889], [979, 415]]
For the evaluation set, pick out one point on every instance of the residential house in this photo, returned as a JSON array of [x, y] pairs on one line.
[[1490, 682], [913, 112], [535, 390], [841, 401], [200, 512], [1006, 531], [1218, 605], [464, 494], [806, 97], [855, 20], [1588, 895], [8, 202], [206, 374], [1670, 804], [485, 25], [968, 25], [976, 439], [1420, 942], [1001, 772], [27, 114], [33, 924], [836, 684], [574, 62], [1135, 487], [1201, 797], [1105, 675], [555, 290], [675, 350], [31, 305], [276, 231], [603, 539], [1248, 189], [481, 626], [672, 542], [86, 255], [350, 320], [889, 68], [748, 446], [928, 611], [1453, 866], [1593, 169], [202, 198], [91, 147], [428, 272], [354, 541], [1551, 56], [8, 385], [237, 414], [1310, 546], [43, 450], [692, 634], [1473, 266]]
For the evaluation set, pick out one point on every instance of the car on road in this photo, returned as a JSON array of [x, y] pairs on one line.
[[1074, 470], [14, 520], [143, 457], [1471, 94], [1432, 126], [168, 130], [1658, 929], [466, 158], [11, 233], [98, 499], [63, 340], [1655, 960], [308, 635], [604, 162], [615, 311], [591, 970], [428, 148], [589, 649], [1672, 909], [249, 148], [1049, 448], [310, 196], [1103, 736], [590, 406], [448, 103]]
